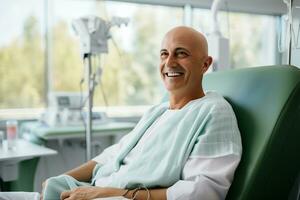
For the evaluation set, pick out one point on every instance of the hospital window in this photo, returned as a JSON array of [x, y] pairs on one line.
[[130, 70], [252, 37], [21, 54]]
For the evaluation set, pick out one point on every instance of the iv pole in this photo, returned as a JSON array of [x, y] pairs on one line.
[[90, 88], [94, 34]]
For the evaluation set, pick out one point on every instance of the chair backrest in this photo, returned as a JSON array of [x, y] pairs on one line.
[[266, 101]]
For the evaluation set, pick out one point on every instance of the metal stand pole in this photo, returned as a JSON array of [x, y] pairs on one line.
[[88, 134], [289, 50], [289, 35]]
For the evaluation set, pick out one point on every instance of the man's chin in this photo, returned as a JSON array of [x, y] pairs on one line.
[[173, 86], [172, 89]]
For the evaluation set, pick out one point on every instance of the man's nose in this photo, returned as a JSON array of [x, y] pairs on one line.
[[171, 62]]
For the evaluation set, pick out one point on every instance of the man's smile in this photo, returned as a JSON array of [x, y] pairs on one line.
[[174, 74]]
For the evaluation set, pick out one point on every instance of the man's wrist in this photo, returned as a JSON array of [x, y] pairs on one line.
[[122, 192], [110, 192]]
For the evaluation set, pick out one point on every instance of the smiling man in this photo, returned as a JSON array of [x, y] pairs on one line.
[[186, 148], [184, 60]]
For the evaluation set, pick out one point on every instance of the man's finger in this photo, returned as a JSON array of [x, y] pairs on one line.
[[65, 194]]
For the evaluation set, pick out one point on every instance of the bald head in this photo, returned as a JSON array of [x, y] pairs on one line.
[[183, 61], [188, 36]]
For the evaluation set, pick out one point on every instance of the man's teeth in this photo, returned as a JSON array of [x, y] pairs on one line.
[[174, 74]]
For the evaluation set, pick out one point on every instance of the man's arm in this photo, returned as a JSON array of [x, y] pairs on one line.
[[84, 172], [208, 178], [100, 192], [155, 194]]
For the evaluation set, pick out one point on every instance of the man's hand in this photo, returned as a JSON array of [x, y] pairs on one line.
[[87, 193]]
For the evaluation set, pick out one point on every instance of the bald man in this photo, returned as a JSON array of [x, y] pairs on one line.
[[186, 148], [184, 60]]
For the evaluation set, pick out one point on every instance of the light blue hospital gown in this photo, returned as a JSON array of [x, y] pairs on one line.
[[204, 127]]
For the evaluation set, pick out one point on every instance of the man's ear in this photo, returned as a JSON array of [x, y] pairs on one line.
[[207, 64]]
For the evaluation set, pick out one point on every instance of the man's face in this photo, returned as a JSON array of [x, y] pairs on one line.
[[182, 63]]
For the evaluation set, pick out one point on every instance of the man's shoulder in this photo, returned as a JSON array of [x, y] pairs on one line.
[[213, 100], [212, 105], [219, 108]]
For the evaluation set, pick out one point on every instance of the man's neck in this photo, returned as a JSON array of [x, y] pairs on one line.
[[177, 101]]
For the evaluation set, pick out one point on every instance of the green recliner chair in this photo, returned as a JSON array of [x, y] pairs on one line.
[[266, 101]]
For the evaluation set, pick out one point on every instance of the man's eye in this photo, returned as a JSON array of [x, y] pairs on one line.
[[163, 54], [182, 54]]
